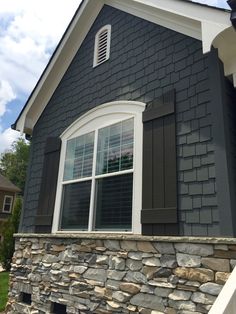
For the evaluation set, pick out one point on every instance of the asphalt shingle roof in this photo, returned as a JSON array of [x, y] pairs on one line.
[[7, 185]]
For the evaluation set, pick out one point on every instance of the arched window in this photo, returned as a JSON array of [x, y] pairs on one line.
[[102, 45], [100, 176]]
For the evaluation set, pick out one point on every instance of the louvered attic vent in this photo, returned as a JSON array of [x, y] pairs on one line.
[[102, 45]]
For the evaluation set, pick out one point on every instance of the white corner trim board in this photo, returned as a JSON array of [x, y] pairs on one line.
[[200, 22], [226, 300]]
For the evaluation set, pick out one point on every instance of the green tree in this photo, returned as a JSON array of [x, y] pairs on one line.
[[13, 163], [9, 228]]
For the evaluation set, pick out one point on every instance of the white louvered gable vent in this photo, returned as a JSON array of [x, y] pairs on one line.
[[102, 45]]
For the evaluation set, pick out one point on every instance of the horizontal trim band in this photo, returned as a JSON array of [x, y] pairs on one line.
[[159, 215]]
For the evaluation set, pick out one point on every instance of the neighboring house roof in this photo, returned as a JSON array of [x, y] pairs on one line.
[[205, 23], [7, 185]]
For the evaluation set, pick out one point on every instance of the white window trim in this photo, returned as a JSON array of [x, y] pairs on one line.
[[95, 55], [4, 203], [102, 116]]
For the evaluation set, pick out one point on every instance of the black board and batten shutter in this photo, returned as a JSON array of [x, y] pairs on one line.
[[159, 202], [43, 220]]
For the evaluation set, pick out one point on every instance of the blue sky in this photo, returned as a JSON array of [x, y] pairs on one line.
[[27, 40]]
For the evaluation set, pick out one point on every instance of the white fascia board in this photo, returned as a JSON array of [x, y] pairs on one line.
[[59, 64], [200, 22], [159, 14]]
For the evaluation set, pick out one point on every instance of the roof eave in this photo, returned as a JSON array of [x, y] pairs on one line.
[[177, 15]]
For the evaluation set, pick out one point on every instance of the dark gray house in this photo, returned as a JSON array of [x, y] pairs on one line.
[[132, 126]]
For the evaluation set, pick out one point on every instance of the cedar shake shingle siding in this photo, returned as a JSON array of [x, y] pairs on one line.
[[146, 61]]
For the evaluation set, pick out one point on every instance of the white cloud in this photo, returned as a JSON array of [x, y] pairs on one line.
[[7, 137], [29, 32], [6, 95]]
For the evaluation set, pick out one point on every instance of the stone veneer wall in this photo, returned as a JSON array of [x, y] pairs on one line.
[[101, 274]]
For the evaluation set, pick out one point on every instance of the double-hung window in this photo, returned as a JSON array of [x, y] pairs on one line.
[[7, 204], [100, 170]]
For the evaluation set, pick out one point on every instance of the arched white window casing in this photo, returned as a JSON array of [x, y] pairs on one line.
[[102, 45], [104, 118]]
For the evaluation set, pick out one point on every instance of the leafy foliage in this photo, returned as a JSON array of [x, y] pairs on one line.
[[4, 279], [9, 228], [13, 163]]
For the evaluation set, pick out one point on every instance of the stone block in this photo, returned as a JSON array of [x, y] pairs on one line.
[[117, 263], [130, 287], [96, 274], [221, 277], [199, 297], [168, 261], [195, 274], [147, 247], [115, 274], [217, 264], [121, 296], [133, 264], [187, 260], [178, 295], [183, 305], [162, 292], [112, 284], [151, 261], [211, 288], [128, 245], [80, 269], [135, 256], [194, 249], [149, 272], [135, 277], [112, 245], [164, 247], [148, 301]]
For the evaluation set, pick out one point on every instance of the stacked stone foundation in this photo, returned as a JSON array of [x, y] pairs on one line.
[[94, 273]]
